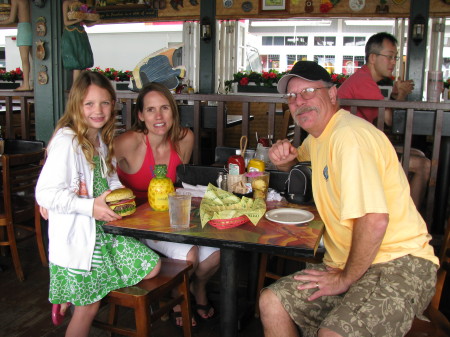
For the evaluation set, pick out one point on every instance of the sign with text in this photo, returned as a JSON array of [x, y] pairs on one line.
[[120, 12]]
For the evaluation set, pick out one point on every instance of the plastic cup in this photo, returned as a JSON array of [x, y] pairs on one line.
[[435, 86], [260, 184], [179, 210], [262, 153], [248, 155]]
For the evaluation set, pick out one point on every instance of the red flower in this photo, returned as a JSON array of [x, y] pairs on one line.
[[325, 8], [244, 81]]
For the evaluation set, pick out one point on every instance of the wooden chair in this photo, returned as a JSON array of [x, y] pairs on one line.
[[439, 325], [18, 209], [278, 273], [156, 292]]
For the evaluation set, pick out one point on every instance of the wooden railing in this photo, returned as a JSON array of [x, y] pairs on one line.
[[438, 187], [16, 114]]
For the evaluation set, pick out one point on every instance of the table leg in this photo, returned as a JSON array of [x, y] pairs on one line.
[[228, 293]]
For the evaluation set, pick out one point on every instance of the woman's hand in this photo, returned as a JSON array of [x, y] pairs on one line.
[[102, 211]]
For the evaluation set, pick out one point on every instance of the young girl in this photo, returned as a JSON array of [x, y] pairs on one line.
[[85, 262]]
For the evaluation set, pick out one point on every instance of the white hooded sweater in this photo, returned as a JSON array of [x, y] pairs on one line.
[[65, 189]]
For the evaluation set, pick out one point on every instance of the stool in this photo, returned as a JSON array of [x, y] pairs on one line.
[[173, 275]]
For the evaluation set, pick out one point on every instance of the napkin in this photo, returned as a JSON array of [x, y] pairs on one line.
[[220, 204], [193, 190]]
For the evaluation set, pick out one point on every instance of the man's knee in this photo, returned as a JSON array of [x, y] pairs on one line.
[[269, 303]]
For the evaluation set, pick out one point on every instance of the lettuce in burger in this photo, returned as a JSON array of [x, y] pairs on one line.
[[121, 201]]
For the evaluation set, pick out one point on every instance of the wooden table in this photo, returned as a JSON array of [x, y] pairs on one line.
[[265, 237]]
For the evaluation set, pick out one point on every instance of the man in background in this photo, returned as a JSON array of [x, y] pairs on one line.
[[381, 57]]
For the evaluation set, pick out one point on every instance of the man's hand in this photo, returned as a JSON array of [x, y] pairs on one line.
[[328, 283], [283, 154], [102, 211], [401, 89]]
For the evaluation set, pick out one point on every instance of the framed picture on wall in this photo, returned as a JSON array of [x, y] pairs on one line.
[[273, 5]]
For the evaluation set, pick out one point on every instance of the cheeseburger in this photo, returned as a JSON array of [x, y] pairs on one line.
[[121, 201]]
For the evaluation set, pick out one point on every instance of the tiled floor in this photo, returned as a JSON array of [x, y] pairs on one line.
[[25, 310]]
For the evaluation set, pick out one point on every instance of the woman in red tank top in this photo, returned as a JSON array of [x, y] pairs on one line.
[[158, 138]]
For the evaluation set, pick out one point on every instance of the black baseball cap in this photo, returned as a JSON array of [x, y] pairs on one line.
[[307, 70]]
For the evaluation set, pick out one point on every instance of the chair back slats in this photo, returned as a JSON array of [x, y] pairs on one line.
[[19, 176], [20, 173]]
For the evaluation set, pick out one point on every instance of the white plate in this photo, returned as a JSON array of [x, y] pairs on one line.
[[289, 216]]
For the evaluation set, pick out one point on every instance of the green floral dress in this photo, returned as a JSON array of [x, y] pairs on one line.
[[118, 261]]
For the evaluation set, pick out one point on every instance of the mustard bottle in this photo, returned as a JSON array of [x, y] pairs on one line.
[[256, 165]]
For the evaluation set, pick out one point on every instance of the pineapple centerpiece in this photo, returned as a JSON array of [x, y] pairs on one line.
[[159, 188]]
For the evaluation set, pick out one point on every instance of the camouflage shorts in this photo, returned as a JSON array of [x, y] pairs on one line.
[[383, 302]]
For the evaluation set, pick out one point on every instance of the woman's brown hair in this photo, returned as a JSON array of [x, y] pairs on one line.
[[73, 116], [176, 132]]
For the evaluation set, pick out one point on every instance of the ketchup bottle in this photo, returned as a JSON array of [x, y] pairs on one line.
[[236, 165]]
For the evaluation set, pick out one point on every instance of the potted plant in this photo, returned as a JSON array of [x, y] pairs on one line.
[[338, 79], [446, 90], [115, 76], [8, 78], [250, 81]]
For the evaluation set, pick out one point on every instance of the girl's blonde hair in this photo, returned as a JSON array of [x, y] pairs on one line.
[[176, 132], [73, 116]]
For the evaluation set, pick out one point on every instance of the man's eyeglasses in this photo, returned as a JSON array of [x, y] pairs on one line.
[[306, 94], [389, 57]]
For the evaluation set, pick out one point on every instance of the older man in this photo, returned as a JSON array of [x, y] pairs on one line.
[[379, 270]]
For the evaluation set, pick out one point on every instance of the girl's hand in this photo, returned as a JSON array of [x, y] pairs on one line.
[[44, 212], [102, 211]]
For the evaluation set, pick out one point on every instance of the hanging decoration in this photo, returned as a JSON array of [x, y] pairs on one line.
[[40, 50], [309, 7], [382, 8], [41, 26], [327, 5], [247, 6], [176, 3], [227, 3], [356, 5], [42, 75]]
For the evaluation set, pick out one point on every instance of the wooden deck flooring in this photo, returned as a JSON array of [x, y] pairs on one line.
[[25, 310]]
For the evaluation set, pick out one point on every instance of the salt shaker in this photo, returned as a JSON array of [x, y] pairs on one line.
[[224, 183], [219, 179]]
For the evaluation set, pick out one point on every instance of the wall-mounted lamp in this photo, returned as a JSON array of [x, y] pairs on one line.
[[418, 29], [205, 29]]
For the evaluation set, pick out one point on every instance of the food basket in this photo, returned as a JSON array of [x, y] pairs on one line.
[[228, 223]]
